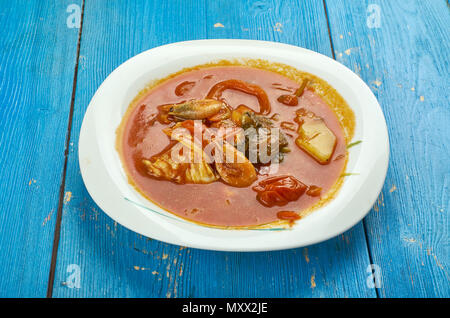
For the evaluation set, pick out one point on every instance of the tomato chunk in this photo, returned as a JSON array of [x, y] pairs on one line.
[[279, 190], [288, 100], [314, 191], [288, 215]]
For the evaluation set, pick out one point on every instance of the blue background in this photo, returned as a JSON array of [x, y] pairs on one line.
[[49, 71]]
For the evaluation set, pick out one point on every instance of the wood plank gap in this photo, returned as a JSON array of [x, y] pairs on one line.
[[369, 252], [329, 30], [51, 277]]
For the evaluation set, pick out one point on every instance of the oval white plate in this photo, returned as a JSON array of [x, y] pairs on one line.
[[106, 181]]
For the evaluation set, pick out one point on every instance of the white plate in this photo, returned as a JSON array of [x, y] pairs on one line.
[[106, 181]]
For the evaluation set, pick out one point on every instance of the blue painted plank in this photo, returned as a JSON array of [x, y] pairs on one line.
[[404, 57], [303, 24], [37, 62], [115, 262]]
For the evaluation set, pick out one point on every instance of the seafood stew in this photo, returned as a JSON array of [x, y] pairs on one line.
[[234, 144]]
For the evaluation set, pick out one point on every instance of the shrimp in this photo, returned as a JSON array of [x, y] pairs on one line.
[[196, 109]]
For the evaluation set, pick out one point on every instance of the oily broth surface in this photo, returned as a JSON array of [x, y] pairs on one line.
[[217, 203]]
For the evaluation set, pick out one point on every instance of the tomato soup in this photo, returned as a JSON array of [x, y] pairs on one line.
[[219, 203]]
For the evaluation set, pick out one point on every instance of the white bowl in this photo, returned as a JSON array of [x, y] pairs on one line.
[[106, 180]]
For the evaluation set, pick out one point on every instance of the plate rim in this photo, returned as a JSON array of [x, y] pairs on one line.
[[202, 245]]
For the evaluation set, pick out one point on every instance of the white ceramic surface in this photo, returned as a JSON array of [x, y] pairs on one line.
[[106, 181]]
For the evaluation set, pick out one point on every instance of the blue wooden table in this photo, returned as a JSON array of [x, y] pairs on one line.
[[55, 241]]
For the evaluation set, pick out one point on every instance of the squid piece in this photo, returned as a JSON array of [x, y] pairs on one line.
[[315, 137], [163, 167], [179, 167], [248, 88], [234, 168], [231, 165], [196, 109]]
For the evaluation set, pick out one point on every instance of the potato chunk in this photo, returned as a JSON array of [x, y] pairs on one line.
[[164, 167], [315, 138]]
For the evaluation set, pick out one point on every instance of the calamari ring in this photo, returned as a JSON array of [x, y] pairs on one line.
[[264, 105]]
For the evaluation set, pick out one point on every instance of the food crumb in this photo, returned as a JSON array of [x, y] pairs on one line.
[[377, 82], [47, 218], [313, 281], [67, 197], [437, 262], [348, 51], [219, 25], [393, 188], [278, 27], [194, 211], [165, 256], [341, 36], [305, 253], [422, 98], [413, 89], [138, 268], [379, 203]]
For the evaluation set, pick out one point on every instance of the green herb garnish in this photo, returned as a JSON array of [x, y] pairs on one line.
[[354, 144]]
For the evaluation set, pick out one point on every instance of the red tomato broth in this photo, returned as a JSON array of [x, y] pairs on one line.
[[217, 203]]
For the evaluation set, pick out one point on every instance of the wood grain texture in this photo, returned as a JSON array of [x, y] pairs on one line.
[[37, 62], [116, 262], [406, 63]]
